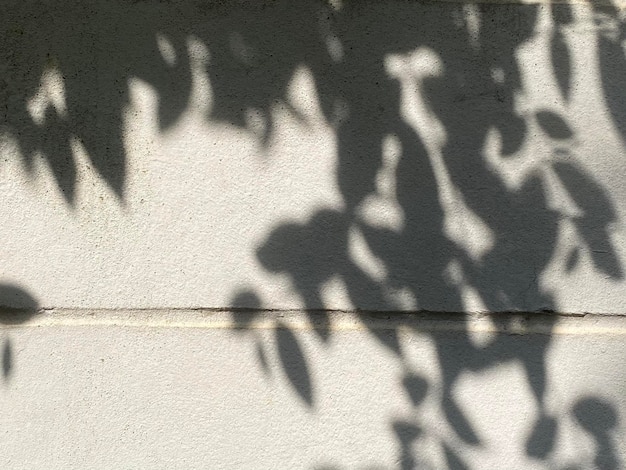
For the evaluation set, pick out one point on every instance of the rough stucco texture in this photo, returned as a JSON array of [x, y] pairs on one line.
[[386, 155], [165, 161], [119, 397]]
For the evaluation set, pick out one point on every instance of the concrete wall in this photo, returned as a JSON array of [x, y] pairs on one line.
[[378, 156], [164, 161], [183, 390]]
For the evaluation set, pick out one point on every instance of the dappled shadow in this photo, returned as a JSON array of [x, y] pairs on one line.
[[599, 418], [16, 307], [426, 93], [436, 115], [14, 299]]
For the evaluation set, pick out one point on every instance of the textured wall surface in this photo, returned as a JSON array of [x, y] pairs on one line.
[[184, 390], [376, 155], [217, 214]]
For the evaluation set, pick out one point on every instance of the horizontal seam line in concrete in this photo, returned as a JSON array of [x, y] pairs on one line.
[[223, 319], [620, 4]]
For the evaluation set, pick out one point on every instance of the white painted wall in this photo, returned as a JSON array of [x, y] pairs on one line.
[[197, 394], [195, 192], [136, 98]]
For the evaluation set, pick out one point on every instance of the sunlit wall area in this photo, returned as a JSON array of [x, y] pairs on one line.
[[374, 155], [318, 234], [196, 394]]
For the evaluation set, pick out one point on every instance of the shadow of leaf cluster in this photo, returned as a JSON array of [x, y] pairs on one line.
[[471, 96], [64, 89], [16, 307]]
